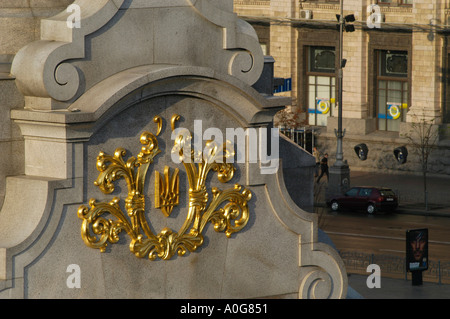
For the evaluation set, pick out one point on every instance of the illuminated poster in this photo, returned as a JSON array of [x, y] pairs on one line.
[[417, 250]]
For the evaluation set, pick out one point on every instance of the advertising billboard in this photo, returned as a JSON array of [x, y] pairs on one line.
[[417, 249]]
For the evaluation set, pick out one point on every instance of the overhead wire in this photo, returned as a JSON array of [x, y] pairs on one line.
[[413, 27], [361, 25]]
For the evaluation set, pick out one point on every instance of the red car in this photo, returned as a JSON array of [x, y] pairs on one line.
[[370, 199]]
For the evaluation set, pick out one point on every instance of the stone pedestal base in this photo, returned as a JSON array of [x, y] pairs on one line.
[[339, 181]]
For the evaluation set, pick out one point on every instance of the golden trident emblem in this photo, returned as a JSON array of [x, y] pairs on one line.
[[227, 210], [167, 190]]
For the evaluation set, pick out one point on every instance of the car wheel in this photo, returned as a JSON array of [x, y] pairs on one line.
[[371, 208], [334, 206]]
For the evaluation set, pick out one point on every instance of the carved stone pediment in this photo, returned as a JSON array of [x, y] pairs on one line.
[[112, 37], [92, 94]]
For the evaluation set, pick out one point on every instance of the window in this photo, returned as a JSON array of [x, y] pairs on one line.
[[365, 192], [321, 84], [264, 48], [387, 192], [352, 192], [392, 89]]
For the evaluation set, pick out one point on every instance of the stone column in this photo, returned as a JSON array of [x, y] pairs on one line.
[[426, 86], [355, 75], [355, 101], [19, 25], [283, 40]]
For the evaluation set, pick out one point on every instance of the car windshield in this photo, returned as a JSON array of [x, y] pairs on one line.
[[386, 192]]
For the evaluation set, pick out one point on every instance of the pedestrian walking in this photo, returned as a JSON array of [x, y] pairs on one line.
[[316, 155], [324, 167]]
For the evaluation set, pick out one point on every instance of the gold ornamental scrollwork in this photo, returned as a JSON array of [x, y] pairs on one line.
[[227, 209]]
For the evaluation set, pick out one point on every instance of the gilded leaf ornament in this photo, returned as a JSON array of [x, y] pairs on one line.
[[226, 209]]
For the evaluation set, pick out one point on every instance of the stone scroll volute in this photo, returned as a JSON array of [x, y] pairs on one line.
[[129, 34]]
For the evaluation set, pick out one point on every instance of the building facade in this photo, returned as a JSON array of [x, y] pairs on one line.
[[396, 72]]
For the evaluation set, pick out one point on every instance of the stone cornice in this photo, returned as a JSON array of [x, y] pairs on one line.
[[320, 6], [335, 7], [252, 3], [386, 9]]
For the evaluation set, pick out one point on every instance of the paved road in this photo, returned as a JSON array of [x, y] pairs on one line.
[[408, 187], [385, 233]]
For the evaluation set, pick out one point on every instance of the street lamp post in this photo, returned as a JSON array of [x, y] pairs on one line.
[[340, 133], [340, 172]]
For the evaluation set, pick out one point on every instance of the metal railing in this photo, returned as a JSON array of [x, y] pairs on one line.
[[304, 137], [394, 266]]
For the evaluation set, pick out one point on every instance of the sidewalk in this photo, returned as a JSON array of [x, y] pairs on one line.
[[390, 288], [395, 289]]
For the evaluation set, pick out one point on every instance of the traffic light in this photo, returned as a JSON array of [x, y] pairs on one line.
[[361, 151], [347, 18], [401, 154]]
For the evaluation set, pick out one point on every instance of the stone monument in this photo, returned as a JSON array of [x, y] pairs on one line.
[[147, 171]]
